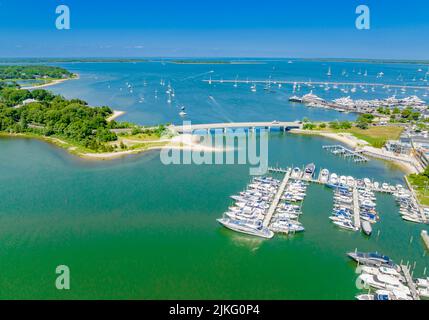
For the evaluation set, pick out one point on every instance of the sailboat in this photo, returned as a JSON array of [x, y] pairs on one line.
[[253, 88], [329, 72]]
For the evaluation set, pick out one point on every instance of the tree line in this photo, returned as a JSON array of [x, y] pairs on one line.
[[52, 115], [30, 72]]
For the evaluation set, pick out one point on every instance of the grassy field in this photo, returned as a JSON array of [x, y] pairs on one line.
[[375, 136], [420, 185]]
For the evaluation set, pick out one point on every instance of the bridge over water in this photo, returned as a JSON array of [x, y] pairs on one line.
[[251, 126]]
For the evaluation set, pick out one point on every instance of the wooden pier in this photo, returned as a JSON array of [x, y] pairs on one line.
[[356, 209], [410, 282], [276, 200]]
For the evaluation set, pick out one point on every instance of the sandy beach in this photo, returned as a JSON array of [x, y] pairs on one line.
[[49, 84], [346, 138], [186, 142], [116, 114]]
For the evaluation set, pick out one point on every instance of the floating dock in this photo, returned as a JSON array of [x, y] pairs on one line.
[[346, 153], [410, 282], [276, 200]]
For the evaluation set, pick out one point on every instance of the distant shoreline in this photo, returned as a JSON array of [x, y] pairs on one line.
[[221, 60]]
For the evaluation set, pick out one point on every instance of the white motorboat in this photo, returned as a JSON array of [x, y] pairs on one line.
[[423, 293], [324, 175], [247, 228], [423, 283], [383, 270], [347, 225], [384, 282]]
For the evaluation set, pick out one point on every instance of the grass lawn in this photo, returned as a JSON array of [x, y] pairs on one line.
[[142, 136], [375, 136], [420, 185]]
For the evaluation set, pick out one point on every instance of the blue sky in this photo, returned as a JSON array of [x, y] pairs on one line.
[[270, 28]]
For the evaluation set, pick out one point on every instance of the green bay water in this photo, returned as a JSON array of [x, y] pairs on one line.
[[134, 228]]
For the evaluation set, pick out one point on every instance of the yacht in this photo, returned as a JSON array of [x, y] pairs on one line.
[[309, 171], [346, 224], [366, 227], [423, 283], [372, 259], [383, 270], [423, 293], [295, 99], [384, 282], [324, 175], [351, 181], [285, 226], [296, 172], [384, 295], [286, 215], [247, 227]]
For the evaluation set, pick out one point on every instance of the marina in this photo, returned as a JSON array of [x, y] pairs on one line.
[[409, 208], [386, 279], [354, 205]]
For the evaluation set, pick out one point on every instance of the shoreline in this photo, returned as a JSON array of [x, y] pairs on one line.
[[355, 143], [52, 83], [184, 142]]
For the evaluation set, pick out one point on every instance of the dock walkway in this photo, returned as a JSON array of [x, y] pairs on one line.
[[425, 238], [356, 209], [410, 282], [276, 200]]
